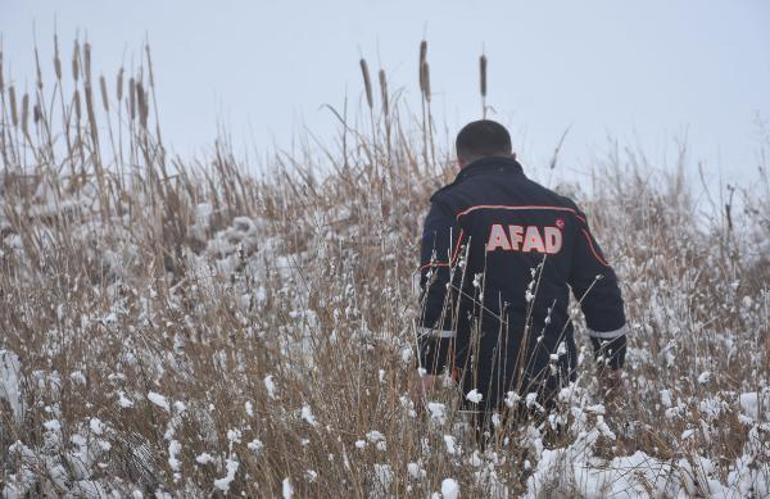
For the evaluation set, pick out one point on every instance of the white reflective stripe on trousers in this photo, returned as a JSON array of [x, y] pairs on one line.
[[608, 335]]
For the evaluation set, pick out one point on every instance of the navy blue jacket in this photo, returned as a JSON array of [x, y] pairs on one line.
[[500, 254]]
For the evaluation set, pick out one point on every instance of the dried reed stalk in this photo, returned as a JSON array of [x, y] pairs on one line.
[[38, 72], [2, 80]]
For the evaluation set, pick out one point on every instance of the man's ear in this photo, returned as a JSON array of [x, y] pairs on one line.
[[513, 155]]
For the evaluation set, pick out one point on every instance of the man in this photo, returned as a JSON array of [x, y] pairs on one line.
[[499, 256]]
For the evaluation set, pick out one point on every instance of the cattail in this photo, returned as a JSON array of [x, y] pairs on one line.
[[2, 81], [131, 98], [103, 85], [88, 62], [75, 61], [483, 74], [141, 101], [423, 60], [56, 59], [483, 84], [76, 101], [120, 85], [37, 115], [90, 111], [24, 113], [367, 83], [426, 81], [149, 65], [384, 93], [14, 111]]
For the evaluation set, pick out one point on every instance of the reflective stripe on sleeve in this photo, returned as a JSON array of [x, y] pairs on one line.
[[608, 335], [435, 333]]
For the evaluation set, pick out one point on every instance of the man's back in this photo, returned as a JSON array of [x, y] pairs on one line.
[[508, 250]]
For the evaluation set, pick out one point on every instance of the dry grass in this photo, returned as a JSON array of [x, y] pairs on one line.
[[127, 273]]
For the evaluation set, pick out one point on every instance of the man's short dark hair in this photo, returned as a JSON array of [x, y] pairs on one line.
[[483, 138]]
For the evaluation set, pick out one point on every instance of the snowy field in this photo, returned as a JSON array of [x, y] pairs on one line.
[[179, 327]]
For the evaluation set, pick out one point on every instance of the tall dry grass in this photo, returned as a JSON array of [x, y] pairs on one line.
[[184, 326]]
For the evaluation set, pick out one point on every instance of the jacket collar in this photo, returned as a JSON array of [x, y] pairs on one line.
[[489, 164]]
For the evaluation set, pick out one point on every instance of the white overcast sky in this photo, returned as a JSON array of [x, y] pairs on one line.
[[647, 73]]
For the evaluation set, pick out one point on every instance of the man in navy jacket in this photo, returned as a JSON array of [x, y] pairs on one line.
[[500, 254]]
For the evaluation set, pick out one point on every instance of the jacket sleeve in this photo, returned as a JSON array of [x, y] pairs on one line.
[[439, 248], [595, 285]]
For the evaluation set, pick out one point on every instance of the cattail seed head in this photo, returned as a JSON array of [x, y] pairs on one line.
[[483, 75], [37, 115], [384, 92], [105, 101], [88, 62], [76, 61], [141, 101], [90, 109], [367, 84], [24, 112], [56, 59], [131, 98], [76, 101], [426, 81], [12, 103], [423, 60], [149, 65], [120, 85]]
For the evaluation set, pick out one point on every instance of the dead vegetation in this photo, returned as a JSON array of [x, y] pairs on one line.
[[189, 327]]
